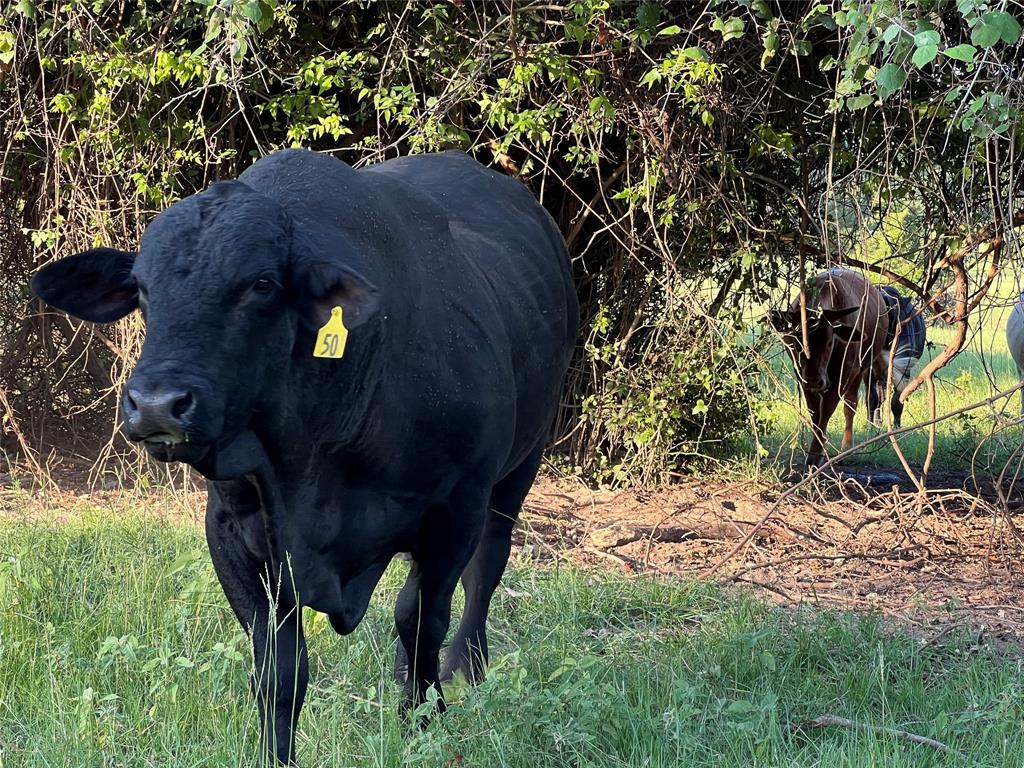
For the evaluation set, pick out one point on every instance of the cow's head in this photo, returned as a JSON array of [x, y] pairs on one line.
[[229, 289], [823, 329]]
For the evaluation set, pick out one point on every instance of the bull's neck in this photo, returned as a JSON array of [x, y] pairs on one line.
[[325, 404]]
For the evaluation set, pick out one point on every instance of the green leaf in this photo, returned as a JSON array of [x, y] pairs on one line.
[[252, 11], [694, 52], [7, 47], [181, 562], [671, 29], [984, 35], [601, 105], [924, 55], [1005, 25], [771, 45], [648, 14], [859, 102], [266, 20], [653, 76], [890, 79], [891, 33], [730, 28], [213, 30], [928, 37], [741, 708], [962, 52]]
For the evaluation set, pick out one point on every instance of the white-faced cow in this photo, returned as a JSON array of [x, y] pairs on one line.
[[1015, 341], [363, 363], [846, 326], [904, 341]]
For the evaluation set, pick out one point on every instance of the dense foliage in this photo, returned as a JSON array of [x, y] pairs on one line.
[[701, 159]]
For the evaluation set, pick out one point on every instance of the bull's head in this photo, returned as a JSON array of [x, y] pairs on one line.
[[229, 290], [823, 329]]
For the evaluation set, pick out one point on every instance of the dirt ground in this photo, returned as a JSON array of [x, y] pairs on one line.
[[946, 559]]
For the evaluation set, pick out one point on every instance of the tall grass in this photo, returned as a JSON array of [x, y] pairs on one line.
[[117, 649]]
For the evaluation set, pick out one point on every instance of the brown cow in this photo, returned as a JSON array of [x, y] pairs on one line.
[[846, 327]]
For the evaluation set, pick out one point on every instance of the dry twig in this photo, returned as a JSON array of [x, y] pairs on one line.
[[826, 721]]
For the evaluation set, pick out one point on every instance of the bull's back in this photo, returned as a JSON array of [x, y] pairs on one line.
[[508, 264], [511, 247], [503, 227]]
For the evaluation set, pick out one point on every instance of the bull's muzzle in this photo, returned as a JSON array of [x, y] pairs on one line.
[[157, 414]]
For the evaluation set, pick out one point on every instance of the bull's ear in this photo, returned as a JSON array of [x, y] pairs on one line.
[[846, 333], [95, 285], [324, 285]]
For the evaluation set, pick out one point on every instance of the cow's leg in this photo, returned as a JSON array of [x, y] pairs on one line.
[[902, 368], [897, 410], [448, 538], [895, 404], [873, 393], [468, 650], [822, 406], [1020, 375], [850, 395], [234, 532]]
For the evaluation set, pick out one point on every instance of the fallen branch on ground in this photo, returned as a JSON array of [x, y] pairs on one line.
[[619, 535], [892, 557], [832, 720]]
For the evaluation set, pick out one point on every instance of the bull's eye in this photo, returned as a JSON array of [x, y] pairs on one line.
[[264, 286]]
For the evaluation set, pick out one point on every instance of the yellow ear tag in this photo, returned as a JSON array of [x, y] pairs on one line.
[[330, 341]]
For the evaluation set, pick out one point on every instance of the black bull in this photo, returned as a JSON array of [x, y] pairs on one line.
[[424, 437]]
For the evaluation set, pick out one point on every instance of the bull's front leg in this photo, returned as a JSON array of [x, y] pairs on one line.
[[241, 558], [423, 610]]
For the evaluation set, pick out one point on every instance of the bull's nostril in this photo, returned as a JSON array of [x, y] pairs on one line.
[[182, 405], [131, 401]]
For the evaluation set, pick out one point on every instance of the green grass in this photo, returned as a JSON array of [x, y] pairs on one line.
[[117, 649], [982, 439]]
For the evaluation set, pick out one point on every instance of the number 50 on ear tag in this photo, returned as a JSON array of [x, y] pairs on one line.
[[330, 340]]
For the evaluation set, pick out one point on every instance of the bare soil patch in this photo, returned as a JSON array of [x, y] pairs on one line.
[[948, 558]]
